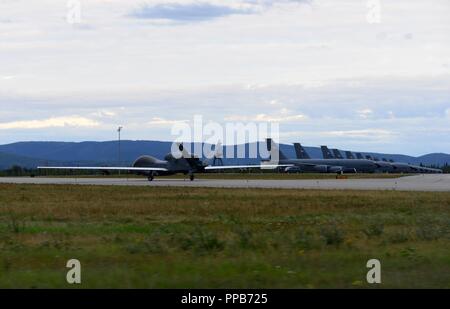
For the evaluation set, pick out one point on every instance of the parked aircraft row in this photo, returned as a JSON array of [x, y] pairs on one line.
[[189, 164], [334, 162]]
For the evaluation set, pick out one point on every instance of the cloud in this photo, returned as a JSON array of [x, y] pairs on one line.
[[365, 113], [201, 11], [7, 77], [56, 122], [187, 12], [361, 138], [274, 102], [289, 54], [266, 118], [367, 134], [104, 114], [269, 3], [157, 121]]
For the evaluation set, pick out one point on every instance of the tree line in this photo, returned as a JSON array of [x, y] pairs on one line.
[[19, 171]]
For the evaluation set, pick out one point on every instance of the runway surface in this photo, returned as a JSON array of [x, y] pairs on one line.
[[436, 183]]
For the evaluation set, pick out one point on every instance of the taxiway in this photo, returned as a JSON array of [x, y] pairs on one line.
[[409, 183]]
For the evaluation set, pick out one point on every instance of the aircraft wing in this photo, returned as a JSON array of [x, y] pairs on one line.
[[107, 168], [261, 166]]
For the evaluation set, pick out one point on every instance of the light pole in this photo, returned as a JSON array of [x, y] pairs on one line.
[[118, 131]]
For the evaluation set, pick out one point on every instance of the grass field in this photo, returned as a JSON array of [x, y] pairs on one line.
[[221, 238]]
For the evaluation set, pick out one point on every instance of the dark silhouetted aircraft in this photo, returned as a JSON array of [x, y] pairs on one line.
[[332, 165], [173, 163]]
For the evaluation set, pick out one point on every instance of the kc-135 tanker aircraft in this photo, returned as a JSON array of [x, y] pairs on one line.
[[189, 164], [336, 163]]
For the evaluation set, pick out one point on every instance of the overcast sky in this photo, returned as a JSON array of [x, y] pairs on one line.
[[322, 68]]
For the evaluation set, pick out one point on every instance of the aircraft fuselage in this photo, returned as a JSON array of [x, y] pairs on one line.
[[333, 165]]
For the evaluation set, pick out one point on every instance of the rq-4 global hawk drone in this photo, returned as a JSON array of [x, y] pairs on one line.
[[177, 163]]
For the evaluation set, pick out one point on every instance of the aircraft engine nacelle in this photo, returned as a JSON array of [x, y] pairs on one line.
[[335, 169], [321, 168], [293, 169], [349, 170]]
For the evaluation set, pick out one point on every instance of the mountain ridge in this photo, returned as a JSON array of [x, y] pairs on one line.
[[31, 154]]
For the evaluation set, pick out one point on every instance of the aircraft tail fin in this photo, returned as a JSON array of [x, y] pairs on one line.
[[185, 154], [275, 152], [218, 154], [337, 154], [326, 152], [300, 152], [218, 150], [349, 155], [178, 151]]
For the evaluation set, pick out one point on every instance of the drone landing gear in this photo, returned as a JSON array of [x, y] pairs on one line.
[[151, 177], [191, 177]]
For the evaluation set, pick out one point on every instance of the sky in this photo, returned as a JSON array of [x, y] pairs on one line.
[[351, 74]]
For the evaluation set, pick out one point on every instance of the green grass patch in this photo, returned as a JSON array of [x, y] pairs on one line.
[[146, 237]]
